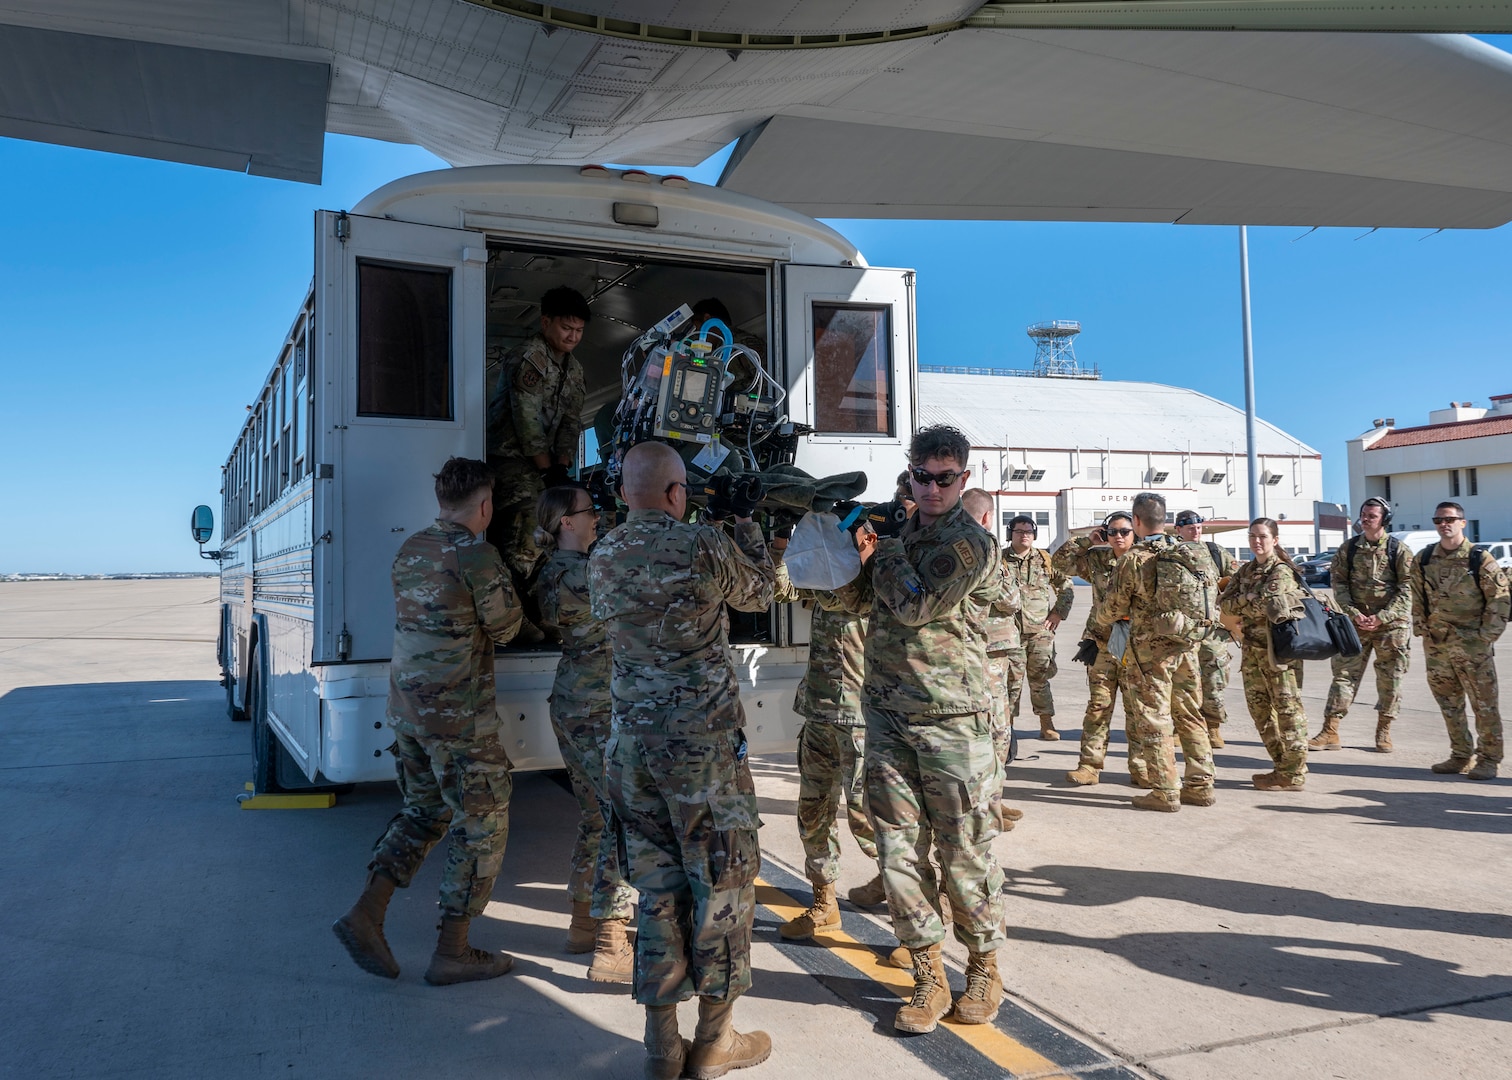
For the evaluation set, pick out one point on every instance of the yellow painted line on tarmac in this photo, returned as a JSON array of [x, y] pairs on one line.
[[985, 1039]]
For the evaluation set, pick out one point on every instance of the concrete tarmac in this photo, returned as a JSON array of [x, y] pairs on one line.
[[151, 927]]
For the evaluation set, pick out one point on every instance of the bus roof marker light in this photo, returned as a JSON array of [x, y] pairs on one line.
[[636, 176], [676, 182], [595, 171]]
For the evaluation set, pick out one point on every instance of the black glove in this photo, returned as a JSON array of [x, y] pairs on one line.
[[734, 496], [555, 475], [1086, 652], [886, 519]]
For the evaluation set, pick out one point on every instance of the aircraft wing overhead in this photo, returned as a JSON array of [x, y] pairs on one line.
[[843, 108], [1200, 128]]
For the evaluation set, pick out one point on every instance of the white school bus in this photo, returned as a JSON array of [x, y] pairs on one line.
[[386, 371]]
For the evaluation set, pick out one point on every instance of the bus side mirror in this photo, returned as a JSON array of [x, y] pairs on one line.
[[202, 524]]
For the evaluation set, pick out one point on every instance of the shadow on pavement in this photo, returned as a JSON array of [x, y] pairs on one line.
[[1460, 812], [1090, 886]]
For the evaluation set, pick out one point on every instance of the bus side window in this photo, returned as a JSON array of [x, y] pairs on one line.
[[852, 369]]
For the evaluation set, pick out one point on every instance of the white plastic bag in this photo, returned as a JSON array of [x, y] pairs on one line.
[[821, 555]]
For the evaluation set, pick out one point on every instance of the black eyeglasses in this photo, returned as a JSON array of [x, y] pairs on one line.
[[923, 477], [584, 510], [1445, 521], [1120, 532]]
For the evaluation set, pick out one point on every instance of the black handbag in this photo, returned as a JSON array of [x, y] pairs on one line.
[[1342, 629], [1306, 638]]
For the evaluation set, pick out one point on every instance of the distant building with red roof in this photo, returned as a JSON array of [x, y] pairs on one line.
[[1463, 454]]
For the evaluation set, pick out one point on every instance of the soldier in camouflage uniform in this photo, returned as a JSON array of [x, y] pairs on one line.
[[1370, 575], [1460, 607], [831, 748], [1045, 601], [534, 420], [602, 901], [1212, 651], [676, 771], [932, 772], [1162, 655], [1005, 654], [453, 604], [1262, 592], [1093, 558]]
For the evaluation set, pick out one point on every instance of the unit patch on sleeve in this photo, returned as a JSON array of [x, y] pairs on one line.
[[942, 566], [528, 378]]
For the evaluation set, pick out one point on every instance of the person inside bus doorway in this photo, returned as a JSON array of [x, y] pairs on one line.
[[535, 416]]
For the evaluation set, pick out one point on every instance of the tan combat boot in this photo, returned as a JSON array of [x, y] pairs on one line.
[[582, 932], [1047, 729], [823, 914], [984, 990], [361, 928], [1005, 823], [1158, 801], [1084, 775], [718, 1047], [1198, 796], [613, 955], [1452, 765], [666, 1049], [1274, 781], [455, 961], [1215, 736], [1328, 738], [1012, 813], [870, 895], [931, 995], [1383, 735], [1482, 770]]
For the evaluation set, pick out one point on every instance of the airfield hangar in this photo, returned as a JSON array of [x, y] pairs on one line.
[[1068, 450]]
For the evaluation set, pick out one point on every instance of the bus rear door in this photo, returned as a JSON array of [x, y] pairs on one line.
[[399, 314], [849, 348]]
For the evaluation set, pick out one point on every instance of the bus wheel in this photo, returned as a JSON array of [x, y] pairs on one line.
[[265, 746]]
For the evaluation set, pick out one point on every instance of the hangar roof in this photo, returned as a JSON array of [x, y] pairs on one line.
[[1056, 414]]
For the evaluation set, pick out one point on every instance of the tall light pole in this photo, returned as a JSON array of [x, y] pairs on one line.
[[1249, 374]]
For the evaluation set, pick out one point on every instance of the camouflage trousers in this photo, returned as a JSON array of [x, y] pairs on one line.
[[1273, 693], [1213, 663], [1165, 690], [452, 787], [1392, 649], [1005, 676], [517, 486], [595, 877], [687, 815], [1461, 668], [1105, 678], [831, 758], [1038, 657], [936, 780]]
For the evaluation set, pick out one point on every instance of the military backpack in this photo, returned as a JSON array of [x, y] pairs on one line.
[[1186, 593]]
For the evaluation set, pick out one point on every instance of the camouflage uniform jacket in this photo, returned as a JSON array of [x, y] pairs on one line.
[[1132, 597], [1001, 616], [581, 689], [927, 651], [452, 604], [1043, 590], [536, 406], [1379, 585], [1454, 607], [660, 587], [1262, 593], [1094, 564], [831, 687]]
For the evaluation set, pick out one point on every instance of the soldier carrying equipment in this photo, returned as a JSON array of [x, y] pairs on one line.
[[1186, 594]]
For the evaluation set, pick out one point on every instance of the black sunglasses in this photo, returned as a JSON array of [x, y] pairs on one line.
[[1445, 521], [923, 477], [1119, 532]]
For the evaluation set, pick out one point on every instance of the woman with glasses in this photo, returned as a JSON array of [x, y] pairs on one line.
[[602, 902], [1261, 593]]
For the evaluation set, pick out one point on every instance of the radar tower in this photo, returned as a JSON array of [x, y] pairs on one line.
[[1055, 350]]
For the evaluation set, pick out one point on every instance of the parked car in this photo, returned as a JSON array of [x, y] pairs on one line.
[[1501, 551], [1315, 569]]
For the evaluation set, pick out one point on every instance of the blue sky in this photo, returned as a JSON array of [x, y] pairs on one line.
[[142, 303]]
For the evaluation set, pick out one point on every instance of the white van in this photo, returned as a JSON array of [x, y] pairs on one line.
[[384, 374], [1417, 541], [1501, 551]]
